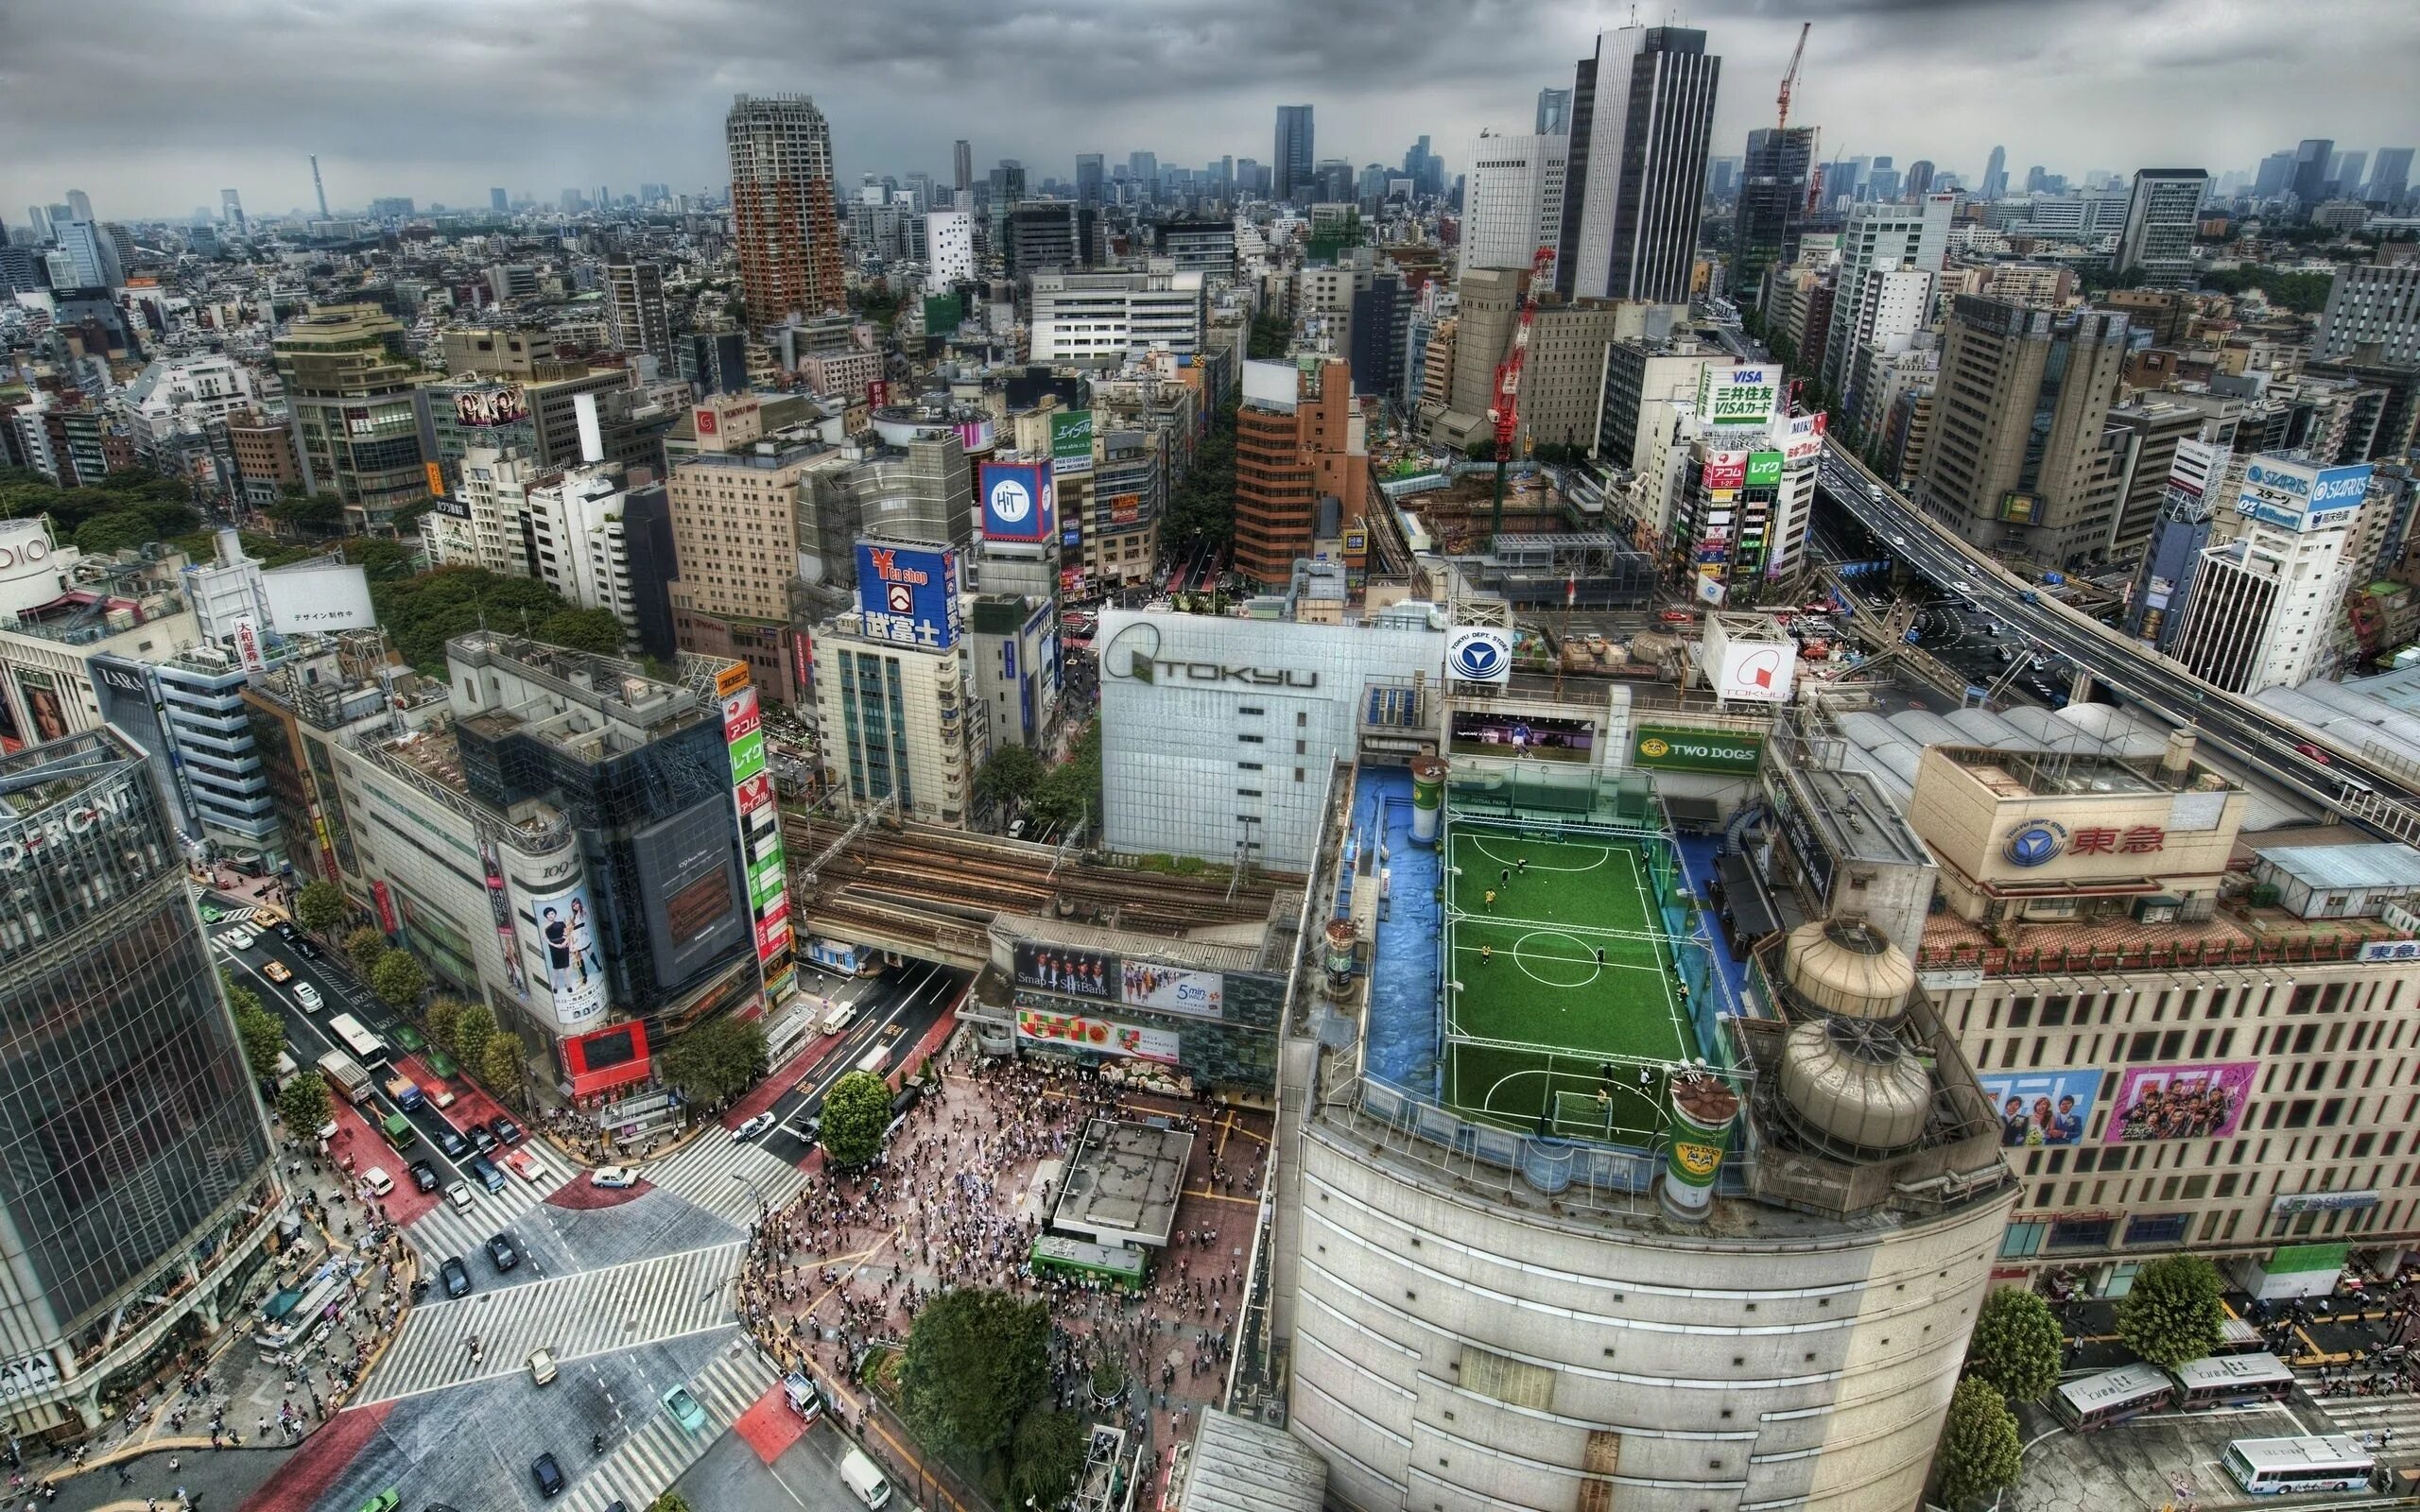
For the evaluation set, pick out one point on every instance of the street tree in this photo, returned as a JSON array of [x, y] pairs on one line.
[[320, 907], [444, 1018], [1008, 775], [502, 1064], [1044, 1457], [399, 979], [669, 1502], [2174, 1313], [715, 1061], [976, 1358], [473, 1028], [856, 1111], [1979, 1449], [2016, 1345], [263, 1035], [365, 948], [303, 1104]]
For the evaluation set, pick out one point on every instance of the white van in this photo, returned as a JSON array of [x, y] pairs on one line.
[[862, 1477], [840, 1017]]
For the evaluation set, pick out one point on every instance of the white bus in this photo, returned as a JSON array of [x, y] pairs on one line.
[[2231, 1380], [2111, 1397], [873, 1062], [367, 1048], [2281, 1466]]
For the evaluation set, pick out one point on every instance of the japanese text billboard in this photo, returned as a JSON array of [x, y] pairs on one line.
[[2038, 1108], [1726, 469], [1071, 442], [760, 831], [2191, 1102], [1738, 396], [908, 595]]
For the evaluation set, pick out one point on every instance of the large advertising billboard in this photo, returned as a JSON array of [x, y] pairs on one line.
[[1738, 396], [1480, 653], [2193, 1102], [1764, 470], [1172, 990], [1106, 977], [500, 910], [1726, 469], [46, 710], [760, 831], [317, 596], [688, 880], [1665, 749], [1100, 1036], [2038, 1108], [1067, 970], [1018, 502], [1478, 732], [1071, 442], [2296, 495], [486, 408], [571, 963], [908, 595]]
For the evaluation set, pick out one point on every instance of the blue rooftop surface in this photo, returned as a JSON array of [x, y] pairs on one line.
[[1402, 1028]]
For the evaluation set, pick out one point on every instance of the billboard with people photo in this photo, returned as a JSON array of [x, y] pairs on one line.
[[565, 922], [2039, 1108], [1478, 732], [2193, 1102], [1063, 969]]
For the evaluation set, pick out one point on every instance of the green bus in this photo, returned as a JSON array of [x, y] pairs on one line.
[[1079, 1259], [399, 1131]]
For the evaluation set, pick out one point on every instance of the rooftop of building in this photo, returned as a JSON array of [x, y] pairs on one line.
[[575, 690], [1123, 1181], [35, 779], [2381, 864], [1238, 1465], [2015, 774]]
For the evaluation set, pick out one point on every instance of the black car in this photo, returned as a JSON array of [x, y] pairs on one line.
[[505, 1129], [453, 1143], [481, 1138], [424, 1176], [548, 1474], [501, 1251], [305, 949], [287, 932], [457, 1275]]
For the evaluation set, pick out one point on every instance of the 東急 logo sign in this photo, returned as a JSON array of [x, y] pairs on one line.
[[1479, 655], [2035, 842], [1011, 501]]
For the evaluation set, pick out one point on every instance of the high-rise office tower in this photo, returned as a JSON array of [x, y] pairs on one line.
[[1144, 168], [1642, 108], [2391, 180], [319, 189], [2309, 180], [2373, 311], [1994, 175], [636, 319], [782, 207], [1554, 112], [1919, 179], [39, 218], [2162, 214], [2017, 465], [1512, 203], [1088, 178], [1890, 256], [80, 203], [499, 203], [1881, 179], [1773, 203], [2275, 173], [230, 212], [1292, 163], [2346, 173]]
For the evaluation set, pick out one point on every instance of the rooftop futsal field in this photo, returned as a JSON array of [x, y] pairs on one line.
[[1567, 971]]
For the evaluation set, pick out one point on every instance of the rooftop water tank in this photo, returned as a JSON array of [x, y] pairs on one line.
[[1845, 966]]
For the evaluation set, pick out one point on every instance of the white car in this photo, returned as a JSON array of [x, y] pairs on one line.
[[1898, 541], [378, 1181], [753, 1127], [459, 1195], [613, 1176], [236, 939], [308, 996], [1962, 586]]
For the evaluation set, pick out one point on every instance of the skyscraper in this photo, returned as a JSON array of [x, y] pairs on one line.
[[1512, 204], [1994, 175], [2346, 172], [782, 207], [2276, 171], [1919, 179], [2392, 179], [1642, 109], [1088, 178], [499, 203], [636, 319], [1143, 168], [962, 162], [1554, 112], [1292, 163], [80, 203], [230, 210], [1881, 240], [2309, 180], [2162, 214], [1773, 203]]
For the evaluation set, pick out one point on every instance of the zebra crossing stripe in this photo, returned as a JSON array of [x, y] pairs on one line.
[[638, 1468]]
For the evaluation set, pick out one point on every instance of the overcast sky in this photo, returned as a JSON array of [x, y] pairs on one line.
[[153, 105]]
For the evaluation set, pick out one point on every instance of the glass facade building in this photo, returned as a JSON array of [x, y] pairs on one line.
[[136, 1171]]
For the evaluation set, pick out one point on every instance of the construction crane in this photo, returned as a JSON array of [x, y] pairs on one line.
[[1781, 122], [1506, 413]]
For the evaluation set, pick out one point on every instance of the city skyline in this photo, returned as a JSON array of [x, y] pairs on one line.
[[494, 100]]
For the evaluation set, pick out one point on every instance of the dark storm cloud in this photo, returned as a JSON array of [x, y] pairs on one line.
[[153, 105]]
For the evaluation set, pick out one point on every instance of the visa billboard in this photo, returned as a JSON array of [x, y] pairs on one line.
[[908, 595], [1018, 502]]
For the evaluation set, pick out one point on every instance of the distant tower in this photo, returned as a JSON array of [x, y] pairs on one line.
[[963, 159], [1293, 168], [783, 208], [318, 188], [231, 207]]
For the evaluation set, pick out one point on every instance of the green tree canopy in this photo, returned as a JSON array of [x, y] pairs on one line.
[[501, 1064], [1008, 775], [263, 1032], [473, 1028], [714, 1061], [399, 980], [855, 1114], [1044, 1457], [318, 906], [311, 513], [1071, 790], [1980, 1450], [1268, 335], [584, 629], [2016, 1345], [365, 947], [425, 612], [669, 1502], [305, 1104], [445, 1016], [2174, 1313], [976, 1358]]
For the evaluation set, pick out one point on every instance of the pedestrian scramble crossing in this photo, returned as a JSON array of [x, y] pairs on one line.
[[639, 1469], [590, 1312], [726, 1178], [2393, 1416], [443, 1231]]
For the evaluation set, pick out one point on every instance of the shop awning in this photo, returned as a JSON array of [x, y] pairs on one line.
[[592, 1083]]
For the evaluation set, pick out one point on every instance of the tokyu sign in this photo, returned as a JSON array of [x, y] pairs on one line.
[[1738, 396], [1665, 748]]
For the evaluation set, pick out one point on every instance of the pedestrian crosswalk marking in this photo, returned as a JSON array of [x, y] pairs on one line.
[[642, 1466], [703, 1175], [442, 1230], [595, 1312]]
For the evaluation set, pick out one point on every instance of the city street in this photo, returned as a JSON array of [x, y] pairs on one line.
[[629, 1289]]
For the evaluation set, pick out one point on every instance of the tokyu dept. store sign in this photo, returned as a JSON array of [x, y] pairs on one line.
[[1665, 749]]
